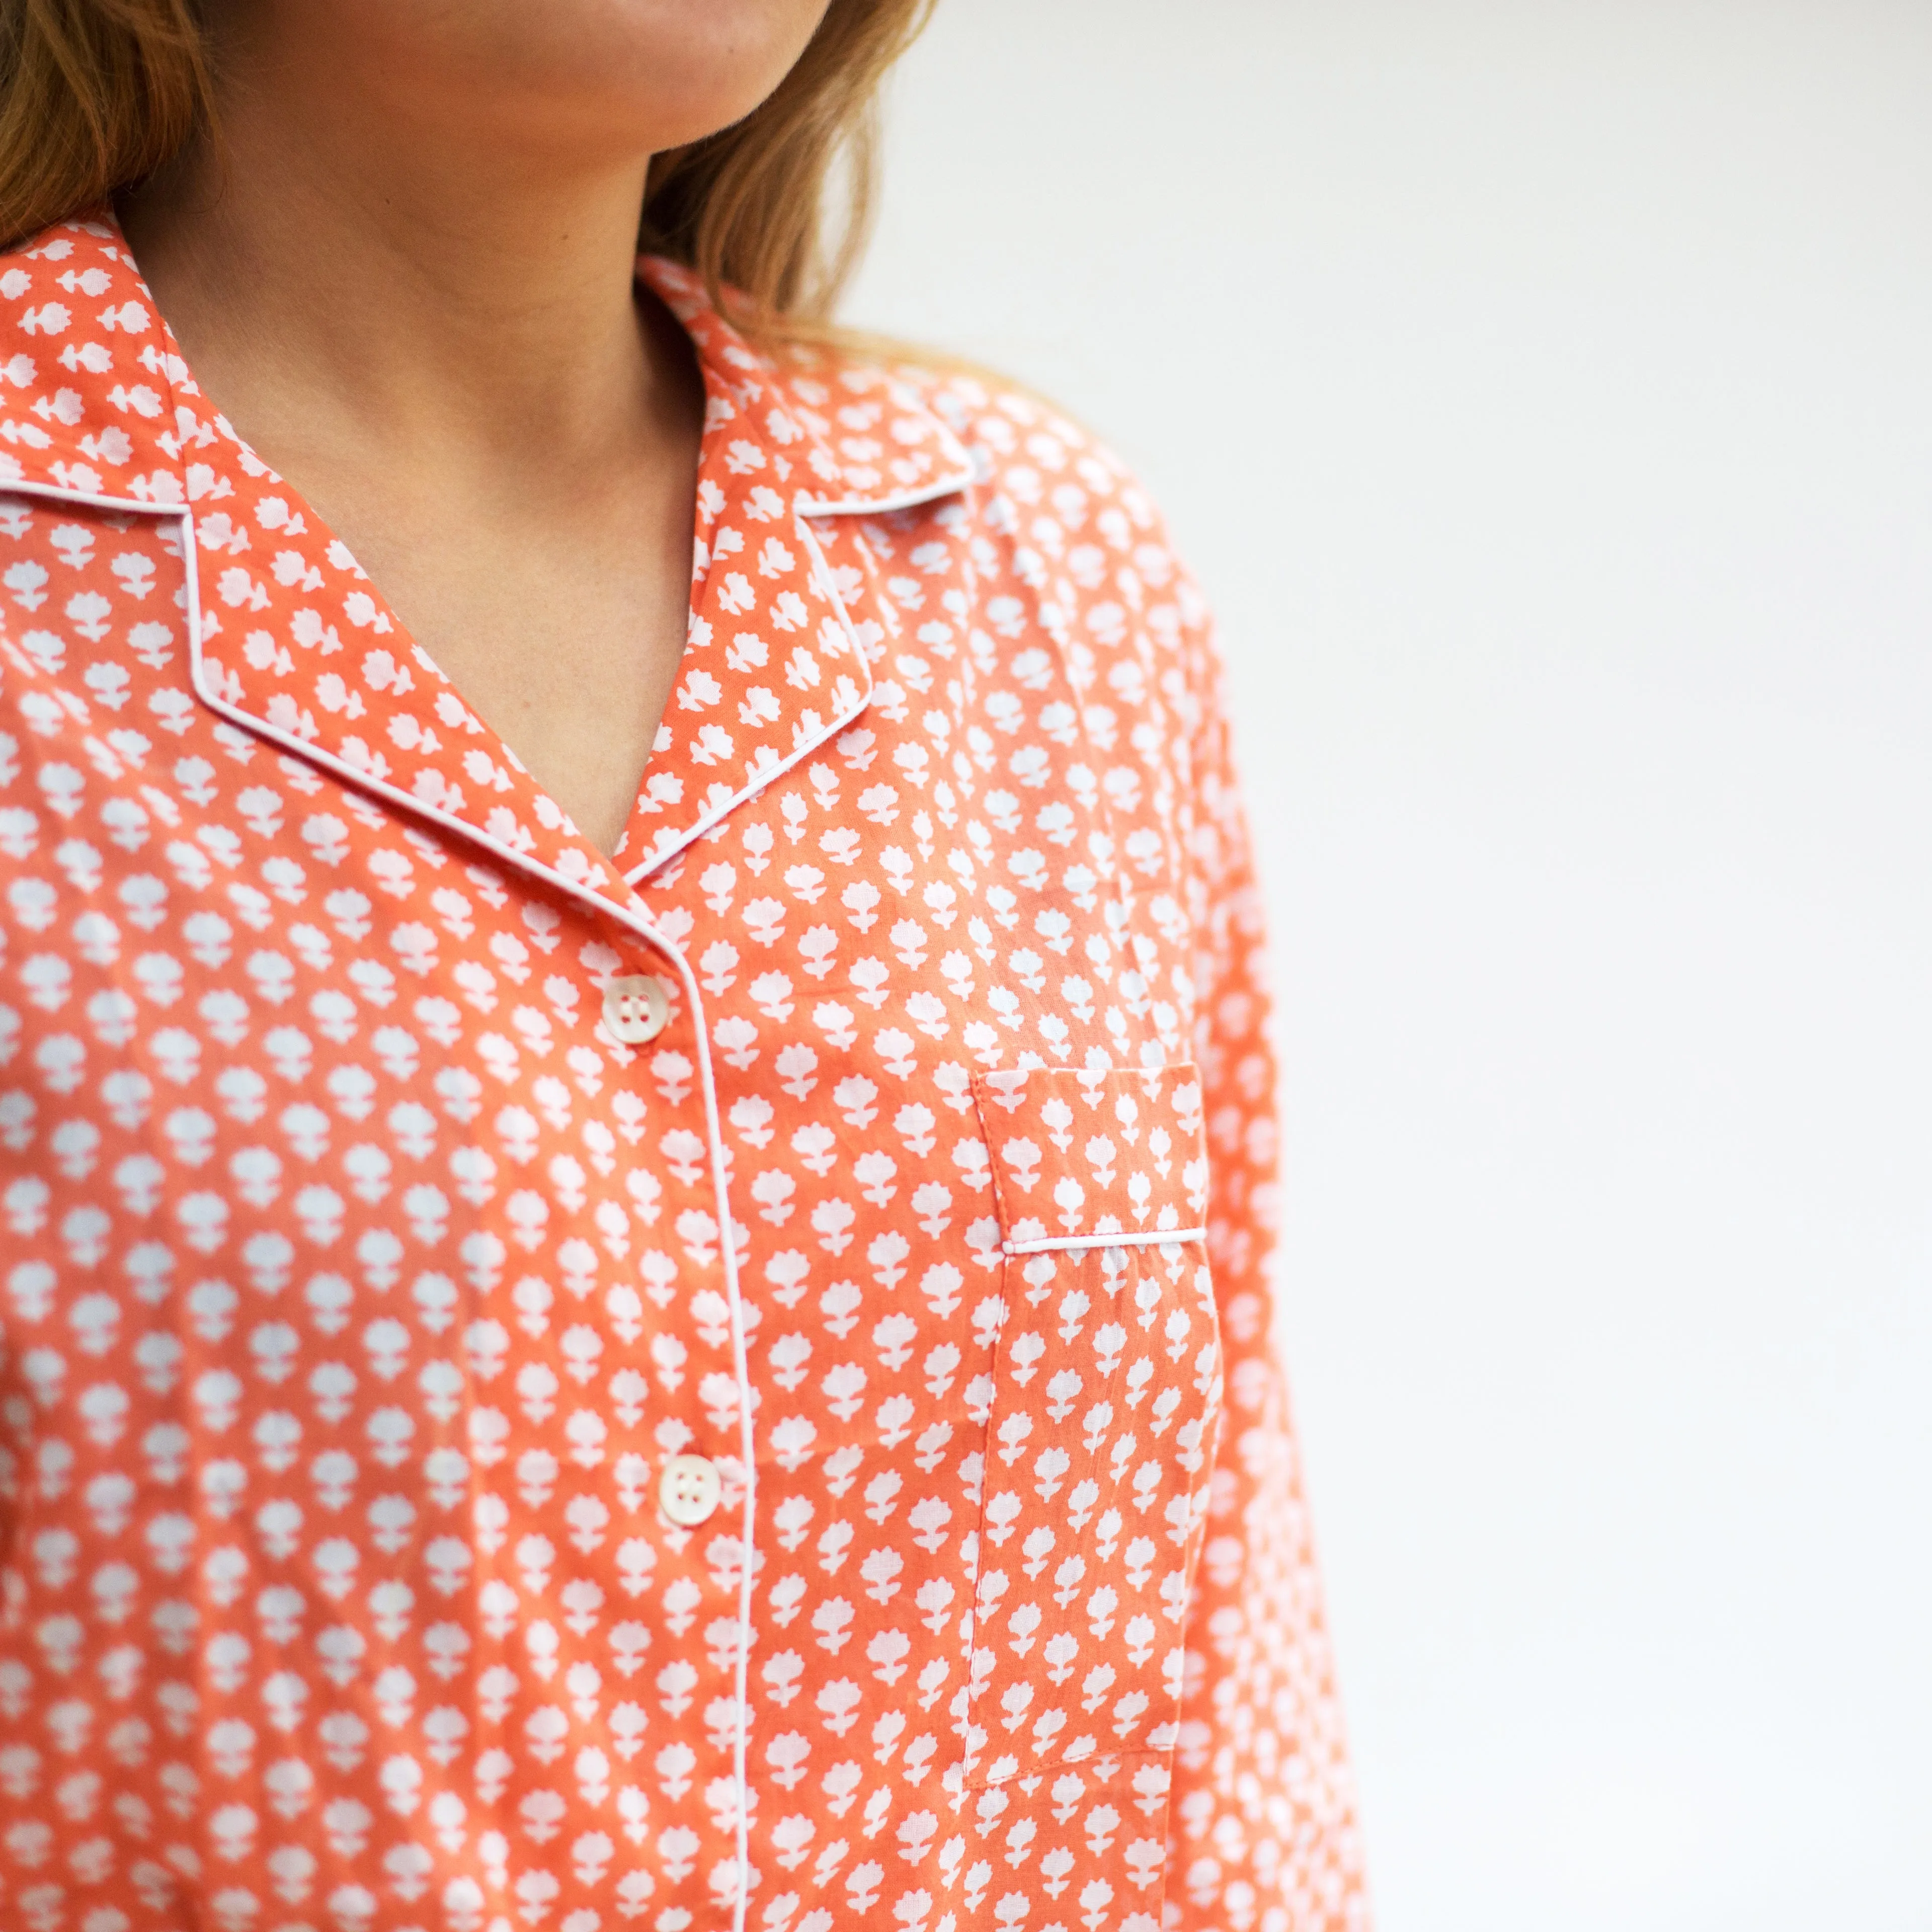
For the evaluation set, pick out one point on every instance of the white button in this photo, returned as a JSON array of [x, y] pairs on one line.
[[635, 1009], [689, 1488]]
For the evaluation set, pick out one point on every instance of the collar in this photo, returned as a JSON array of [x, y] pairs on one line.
[[858, 440], [124, 418], [91, 382], [98, 405]]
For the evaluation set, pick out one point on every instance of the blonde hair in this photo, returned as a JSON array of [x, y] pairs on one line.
[[772, 212]]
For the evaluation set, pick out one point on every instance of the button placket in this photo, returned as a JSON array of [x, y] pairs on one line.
[[690, 1489]]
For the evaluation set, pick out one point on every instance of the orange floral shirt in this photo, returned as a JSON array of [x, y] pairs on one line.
[[727, 1388]]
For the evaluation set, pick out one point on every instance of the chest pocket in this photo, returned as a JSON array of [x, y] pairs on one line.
[[1106, 1389]]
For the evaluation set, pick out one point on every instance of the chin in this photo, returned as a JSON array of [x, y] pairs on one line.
[[663, 73]]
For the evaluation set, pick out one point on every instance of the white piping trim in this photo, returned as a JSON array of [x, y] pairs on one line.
[[770, 774], [911, 499], [747, 1433], [98, 499], [1052, 1244]]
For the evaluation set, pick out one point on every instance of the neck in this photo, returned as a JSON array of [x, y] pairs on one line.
[[334, 274]]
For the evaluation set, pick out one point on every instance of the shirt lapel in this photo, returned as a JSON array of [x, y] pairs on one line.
[[786, 620], [294, 640]]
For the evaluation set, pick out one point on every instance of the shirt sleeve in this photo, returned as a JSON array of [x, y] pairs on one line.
[[1263, 1822]]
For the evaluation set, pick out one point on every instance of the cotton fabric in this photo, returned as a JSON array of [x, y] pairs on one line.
[[357, 1282]]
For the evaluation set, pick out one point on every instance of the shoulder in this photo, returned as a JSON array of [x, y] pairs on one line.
[[1024, 446], [1054, 508], [870, 424], [1074, 586]]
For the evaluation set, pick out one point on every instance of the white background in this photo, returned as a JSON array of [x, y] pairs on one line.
[[1544, 394]]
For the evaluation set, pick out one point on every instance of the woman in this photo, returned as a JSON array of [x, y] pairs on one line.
[[635, 1192]]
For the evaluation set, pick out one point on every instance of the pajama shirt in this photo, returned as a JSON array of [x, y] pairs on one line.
[[726, 1385]]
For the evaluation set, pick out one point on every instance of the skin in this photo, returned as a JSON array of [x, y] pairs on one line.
[[407, 281]]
